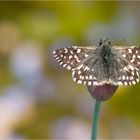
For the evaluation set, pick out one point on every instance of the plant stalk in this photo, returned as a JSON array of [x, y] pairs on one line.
[[95, 120]]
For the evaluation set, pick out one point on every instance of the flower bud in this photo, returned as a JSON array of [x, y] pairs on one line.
[[102, 92]]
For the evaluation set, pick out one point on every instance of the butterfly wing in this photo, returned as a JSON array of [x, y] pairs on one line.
[[72, 57], [85, 73], [128, 62], [130, 54], [80, 60]]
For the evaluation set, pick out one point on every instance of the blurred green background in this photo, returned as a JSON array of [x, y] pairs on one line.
[[38, 99]]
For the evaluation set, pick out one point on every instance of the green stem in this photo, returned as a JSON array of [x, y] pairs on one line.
[[95, 120]]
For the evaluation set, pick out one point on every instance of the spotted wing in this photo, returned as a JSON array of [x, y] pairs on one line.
[[130, 54], [127, 74], [72, 57], [85, 73], [129, 64]]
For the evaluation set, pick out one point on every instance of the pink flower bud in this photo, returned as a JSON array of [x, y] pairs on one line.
[[102, 92]]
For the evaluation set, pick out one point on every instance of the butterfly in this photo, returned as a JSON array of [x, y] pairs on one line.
[[102, 64]]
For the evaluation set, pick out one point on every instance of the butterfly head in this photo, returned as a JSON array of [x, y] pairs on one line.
[[104, 42]]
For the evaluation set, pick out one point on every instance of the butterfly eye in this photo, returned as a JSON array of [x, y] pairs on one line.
[[109, 43], [100, 43]]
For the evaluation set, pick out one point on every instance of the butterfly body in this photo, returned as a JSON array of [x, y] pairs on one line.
[[105, 57], [97, 65]]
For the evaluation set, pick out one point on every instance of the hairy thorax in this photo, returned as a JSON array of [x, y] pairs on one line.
[[105, 62]]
